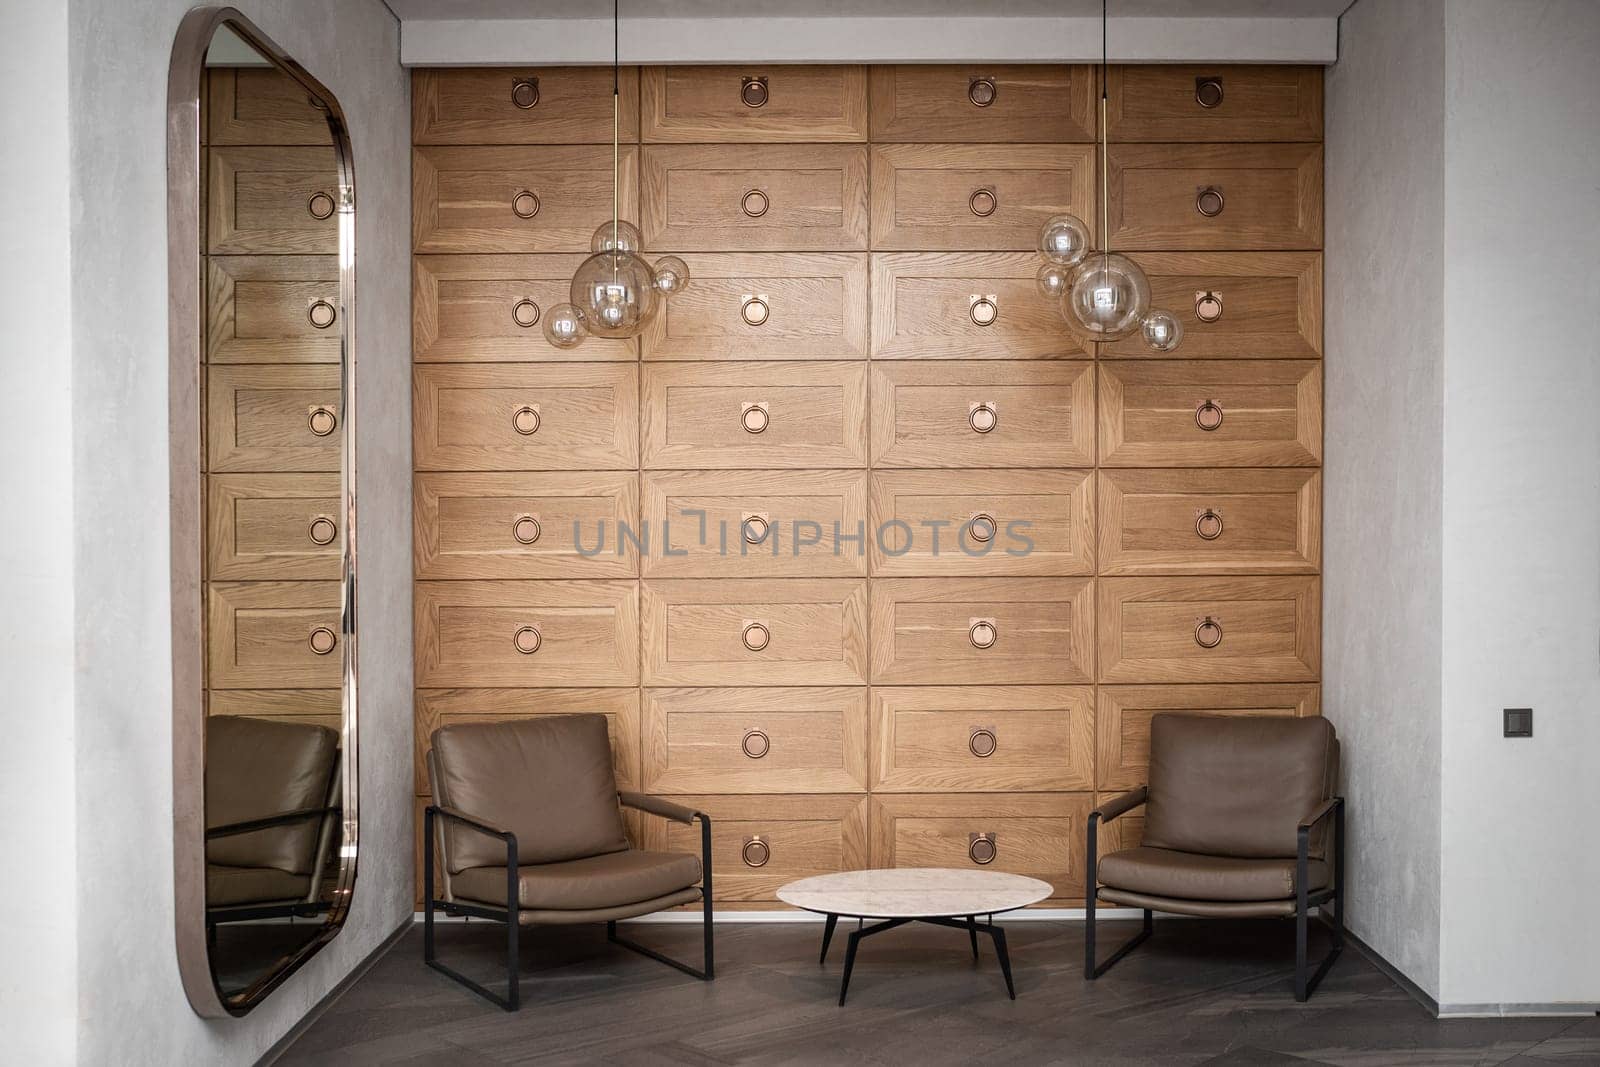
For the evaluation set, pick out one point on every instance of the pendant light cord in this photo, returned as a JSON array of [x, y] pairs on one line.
[[1105, 153], [616, 120]]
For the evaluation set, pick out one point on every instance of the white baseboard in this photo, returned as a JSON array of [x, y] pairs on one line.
[[795, 916]]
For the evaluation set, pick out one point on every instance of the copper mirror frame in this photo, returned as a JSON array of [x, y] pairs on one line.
[[185, 339]]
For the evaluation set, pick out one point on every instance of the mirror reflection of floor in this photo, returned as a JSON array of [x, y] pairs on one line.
[[243, 952]]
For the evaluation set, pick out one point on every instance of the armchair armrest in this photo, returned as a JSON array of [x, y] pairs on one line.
[[286, 818], [1321, 812], [664, 808], [451, 815], [1121, 805]]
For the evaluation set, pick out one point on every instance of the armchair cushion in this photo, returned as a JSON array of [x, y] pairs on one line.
[[1161, 872], [258, 768], [609, 881], [228, 887]]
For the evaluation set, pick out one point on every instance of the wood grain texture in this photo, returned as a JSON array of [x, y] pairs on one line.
[[259, 309], [260, 418], [325, 707], [1158, 102], [1031, 103], [1272, 196], [925, 305], [475, 106], [259, 635], [261, 526], [261, 106], [705, 104], [258, 201]]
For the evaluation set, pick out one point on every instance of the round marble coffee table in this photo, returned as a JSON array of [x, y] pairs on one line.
[[936, 895]]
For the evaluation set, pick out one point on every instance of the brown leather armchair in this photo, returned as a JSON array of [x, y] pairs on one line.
[[1236, 824], [528, 828]]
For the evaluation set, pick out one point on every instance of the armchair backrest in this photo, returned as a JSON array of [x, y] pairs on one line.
[[258, 768], [1238, 785], [546, 778]]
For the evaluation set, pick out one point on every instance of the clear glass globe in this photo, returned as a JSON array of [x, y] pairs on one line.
[[616, 292], [1162, 330], [1064, 240], [1107, 298], [624, 238], [1053, 279], [563, 326], [672, 275]]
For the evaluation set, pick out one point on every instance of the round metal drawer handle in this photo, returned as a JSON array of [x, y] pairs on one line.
[[755, 418], [983, 417], [983, 202], [983, 310], [1208, 306], [983, 633], [754, 203], [321, 314], [755, 310], [755, 852], [982, 743], [525, 313], [981, 527], [1208, 416], [755, 743], [1208, 91], [321, 419], [755, 636], [982, 91], [322, 530], [323, 640], [1208, 632], [525, 205], [525, 420], [753, 91], [527, 640], [321, 206], [1208, 201], [982, 848], [1208, 525], [526, 529], [525, 92], [755, 529]]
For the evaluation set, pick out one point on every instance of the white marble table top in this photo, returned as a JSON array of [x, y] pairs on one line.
[[914, 892]]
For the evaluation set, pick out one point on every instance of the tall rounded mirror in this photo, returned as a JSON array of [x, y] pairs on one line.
[[261, 217]]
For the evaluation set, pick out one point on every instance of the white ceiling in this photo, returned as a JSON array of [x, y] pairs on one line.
[[743, 9]]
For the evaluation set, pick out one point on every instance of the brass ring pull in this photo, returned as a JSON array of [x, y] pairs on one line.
[[755, 636], [754, 203], [982, 848], [983, 202], [321, 314], [1208, 91], [983, 633], [1208, 416], [981, 527], [754, 417], [753, 91], [982, 742], [525, 313], [983, 417], [755, 528], [527, 640], [321, 419], [525, 205], [321, 206], [1208, 525], [1208, 632], [526, 529], [983, 310], [525, 92], [755, 852], [754, 310], [982, 91], [322, 530], [1208, 201], [1208, 306], [525, 420], [755, 743], [323, 640]]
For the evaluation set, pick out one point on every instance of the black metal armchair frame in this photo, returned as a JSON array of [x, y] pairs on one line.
[[295, 909]]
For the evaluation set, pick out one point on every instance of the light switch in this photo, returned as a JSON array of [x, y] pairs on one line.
[[1519, 722]]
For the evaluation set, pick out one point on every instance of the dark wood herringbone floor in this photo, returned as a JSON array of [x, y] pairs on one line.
[[1197, 993]]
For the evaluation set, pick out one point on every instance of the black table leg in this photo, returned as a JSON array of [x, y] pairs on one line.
[[855, 939], [972, 932], [999, 936], [827, 936]]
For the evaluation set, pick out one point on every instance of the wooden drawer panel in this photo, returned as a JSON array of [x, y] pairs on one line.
[[988, 103], [468, 199], [755, 415], [273, 526], [810, 740], [490, 309], [583, 417], [446, 707], [325, 707], [272, 418], [1235, 305], [934, 414], [964, 305], [793, 631], [1210, 521], [261, 106], [1258, 629], [944, 631], [757, 103], [262, 199], [765, 307], [1182, 102], [1040, 835], [272, 309], [582, 633], [1123, 714], [989, 523], [259, 635], [755, 198], [971, 196], [552, 524], [982, 739], [759, 843], [522, 105], [1270, 196], [756, 524], [1154, 414]]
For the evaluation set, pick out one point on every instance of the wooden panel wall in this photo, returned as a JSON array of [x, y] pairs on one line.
[[863, 348]]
